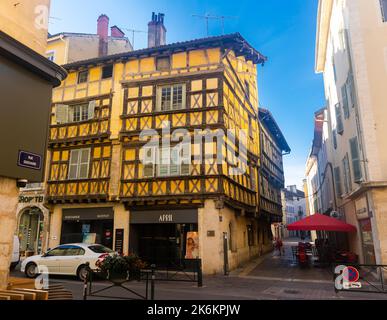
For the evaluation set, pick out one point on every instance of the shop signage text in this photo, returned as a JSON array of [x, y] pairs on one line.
[[164, 216], [31, 199]]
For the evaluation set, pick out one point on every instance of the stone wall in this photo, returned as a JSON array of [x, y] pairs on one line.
[[8, 203]]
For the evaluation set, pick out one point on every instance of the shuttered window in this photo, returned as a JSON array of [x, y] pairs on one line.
[[175, 161], [355, 155], [337, 175], [148, 159], [383, 5], [351, 91], [334, 134], [79, 164], [339, 119], [347, 175], [75, 113], [344, 96]]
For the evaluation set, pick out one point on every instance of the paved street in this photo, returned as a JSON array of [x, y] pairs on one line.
[[268, 278]]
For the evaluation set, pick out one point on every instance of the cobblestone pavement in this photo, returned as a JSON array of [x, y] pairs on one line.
[[267, 278]]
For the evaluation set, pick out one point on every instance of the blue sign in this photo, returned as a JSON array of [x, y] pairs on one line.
[[29, 160]]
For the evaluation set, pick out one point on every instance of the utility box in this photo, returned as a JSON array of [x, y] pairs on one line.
[[26, 83]]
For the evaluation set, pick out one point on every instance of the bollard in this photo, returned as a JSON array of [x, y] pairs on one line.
[[200, 273], [85, 284], [153, 267]]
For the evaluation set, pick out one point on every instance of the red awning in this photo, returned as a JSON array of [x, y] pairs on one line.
[[319, 222]]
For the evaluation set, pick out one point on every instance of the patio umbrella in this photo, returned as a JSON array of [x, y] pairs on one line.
[[319, 222]]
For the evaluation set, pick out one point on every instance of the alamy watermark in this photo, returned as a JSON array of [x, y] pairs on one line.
[[41, 17]]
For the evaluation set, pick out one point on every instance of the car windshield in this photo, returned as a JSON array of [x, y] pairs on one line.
[[100, 249]]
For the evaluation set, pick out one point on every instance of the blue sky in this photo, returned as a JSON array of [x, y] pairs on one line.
[[282, 30]]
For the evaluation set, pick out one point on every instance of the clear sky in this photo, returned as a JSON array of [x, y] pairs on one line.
[[284, 31]]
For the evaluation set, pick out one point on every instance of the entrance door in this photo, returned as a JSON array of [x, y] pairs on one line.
[[31, 231]]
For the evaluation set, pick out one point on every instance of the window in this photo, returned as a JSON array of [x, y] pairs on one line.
[[163, 64], [107, 72], [383, 5], [100, 249], [347, 175], [339, 119], [83, 76], [357, 173], [334, 134], [79, 164], [337, 175], [148, 158], [351, 89], [79, 113], [171, 97], [51, 56], [334, 69], [344, 96], [253, 179], [251, 131], [175, 161], [75, 113]]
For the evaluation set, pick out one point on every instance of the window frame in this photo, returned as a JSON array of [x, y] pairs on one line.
[[80, 73], [81, 109], [172, 93], [356, 160], [110, 75], [78, 164], [176, 164], [164, 58]]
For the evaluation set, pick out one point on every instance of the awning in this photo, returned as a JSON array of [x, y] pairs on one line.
[[319, 222]]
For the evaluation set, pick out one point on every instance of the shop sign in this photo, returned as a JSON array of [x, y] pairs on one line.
[[164, 216], [31, 199], [88, 214]]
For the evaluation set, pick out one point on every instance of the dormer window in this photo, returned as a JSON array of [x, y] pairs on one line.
[[83, 76]]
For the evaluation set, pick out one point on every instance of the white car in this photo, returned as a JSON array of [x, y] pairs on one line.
[[68, 259]]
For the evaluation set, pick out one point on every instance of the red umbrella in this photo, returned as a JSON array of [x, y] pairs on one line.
[[319, 222]]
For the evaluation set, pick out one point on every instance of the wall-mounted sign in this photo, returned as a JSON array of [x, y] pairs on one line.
[[31, 199], [29, 160], [119, 241], [164, 216], [88, 214]]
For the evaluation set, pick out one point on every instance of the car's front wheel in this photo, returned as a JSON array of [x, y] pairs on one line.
[[82, 273], [31, 270]]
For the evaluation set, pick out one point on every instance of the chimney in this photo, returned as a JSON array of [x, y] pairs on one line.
[[103, 34], [117, 32], [157, 33]]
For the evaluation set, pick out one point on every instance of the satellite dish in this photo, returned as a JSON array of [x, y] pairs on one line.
[[336, 214]]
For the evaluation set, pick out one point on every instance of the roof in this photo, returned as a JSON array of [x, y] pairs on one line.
[[266, 117], [77, 34], [234, 41], [319, 222], [31, 60], [289, 195]]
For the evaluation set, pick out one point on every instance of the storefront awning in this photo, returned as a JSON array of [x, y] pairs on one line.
[[319, 222]]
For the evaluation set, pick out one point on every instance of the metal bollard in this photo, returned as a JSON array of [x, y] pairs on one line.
[[153, 278], [85, 283], [200, 273]]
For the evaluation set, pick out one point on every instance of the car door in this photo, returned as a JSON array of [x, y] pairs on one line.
[[72, 259], [51, 260]]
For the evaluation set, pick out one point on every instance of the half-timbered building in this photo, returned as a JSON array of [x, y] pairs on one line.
[[156, 152]]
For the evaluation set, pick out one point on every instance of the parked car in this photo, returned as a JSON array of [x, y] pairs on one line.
[[68, 259], [15, 253]]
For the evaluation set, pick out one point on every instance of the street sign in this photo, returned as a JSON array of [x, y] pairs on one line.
[[29, 160]]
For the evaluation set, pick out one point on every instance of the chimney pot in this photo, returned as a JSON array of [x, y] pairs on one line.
[[103, 34], [157, 33]]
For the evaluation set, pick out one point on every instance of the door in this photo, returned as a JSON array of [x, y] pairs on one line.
[[71, 260], [52, 260]]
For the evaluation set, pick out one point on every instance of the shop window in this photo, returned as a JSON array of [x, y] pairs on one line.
[[163, 64], [83, 76], [79, 164], [171, 97], [107, 72]]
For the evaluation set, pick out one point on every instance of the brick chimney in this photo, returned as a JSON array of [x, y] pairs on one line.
[[117, 32], [157, 33], [103, 34]]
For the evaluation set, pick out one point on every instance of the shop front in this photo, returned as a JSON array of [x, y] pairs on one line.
[[165, 237], [88, 225], [33, 222]]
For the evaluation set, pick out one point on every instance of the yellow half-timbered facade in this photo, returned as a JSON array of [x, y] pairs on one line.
[[157, 152]]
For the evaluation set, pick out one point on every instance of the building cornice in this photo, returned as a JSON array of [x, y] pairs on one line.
[[323, 23]]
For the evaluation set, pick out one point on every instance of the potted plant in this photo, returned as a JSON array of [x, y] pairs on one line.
[[125, 268]]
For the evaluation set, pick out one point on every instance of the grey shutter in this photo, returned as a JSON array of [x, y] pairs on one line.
[[62, 113], [148, 160], [344, 96], [185, 158], [338, 181], [73, 166], [354, 146], [148, 170], [91, 111], [339, 119]]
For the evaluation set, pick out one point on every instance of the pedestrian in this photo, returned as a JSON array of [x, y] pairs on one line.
[[279, 246]]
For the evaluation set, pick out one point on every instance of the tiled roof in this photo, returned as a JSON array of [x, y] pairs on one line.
[[235, 41]]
